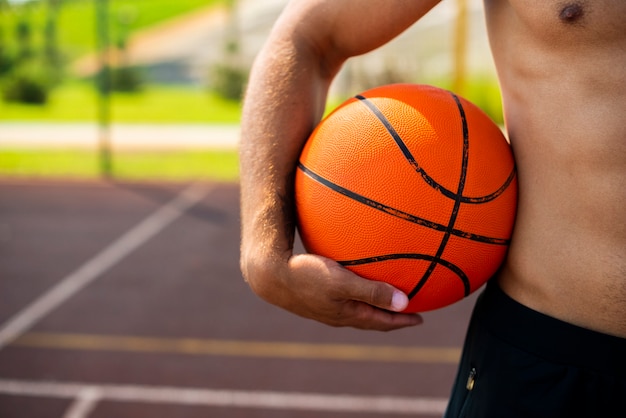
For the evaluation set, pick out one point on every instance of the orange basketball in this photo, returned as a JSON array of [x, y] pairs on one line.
[[411, 185]]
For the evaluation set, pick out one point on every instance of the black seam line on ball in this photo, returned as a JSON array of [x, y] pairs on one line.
[[396, 212], [452, 267], [428, 179], [457, 203]]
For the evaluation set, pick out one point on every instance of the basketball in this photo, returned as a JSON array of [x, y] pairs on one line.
[[411, 185]]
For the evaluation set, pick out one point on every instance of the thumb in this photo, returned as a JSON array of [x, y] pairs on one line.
[[383, 295]]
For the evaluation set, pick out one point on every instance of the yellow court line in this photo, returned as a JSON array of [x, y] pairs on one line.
[[235, 348]]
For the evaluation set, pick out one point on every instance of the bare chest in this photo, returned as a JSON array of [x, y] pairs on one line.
[[567, 21]]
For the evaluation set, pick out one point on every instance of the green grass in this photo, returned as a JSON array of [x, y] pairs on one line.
[[77, 102], [76, 22], [170, 166]]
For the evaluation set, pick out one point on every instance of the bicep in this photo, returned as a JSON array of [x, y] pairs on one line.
[[345, 28]]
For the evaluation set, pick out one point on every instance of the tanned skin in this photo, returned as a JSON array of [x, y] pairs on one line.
[[562, 69]]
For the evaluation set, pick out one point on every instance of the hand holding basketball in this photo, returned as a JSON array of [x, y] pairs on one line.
[[318, 288]]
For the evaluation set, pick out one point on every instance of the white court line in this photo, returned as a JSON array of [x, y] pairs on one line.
[[388, 405], [107, 258], [84, 404]]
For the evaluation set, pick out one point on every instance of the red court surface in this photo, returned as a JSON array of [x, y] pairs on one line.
[[126, 300]]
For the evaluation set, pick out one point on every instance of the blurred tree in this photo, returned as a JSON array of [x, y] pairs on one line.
[[125, 77], [23, 34], [27, 78], [228, 77], [6, 60], [51, 45], [52, 53]]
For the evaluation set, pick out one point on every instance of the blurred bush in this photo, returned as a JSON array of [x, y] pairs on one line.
[[126, 79], [27, 82], [229, 76], [228, 81]]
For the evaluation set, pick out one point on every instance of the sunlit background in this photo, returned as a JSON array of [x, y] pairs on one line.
[[84, 82], [120, 289]]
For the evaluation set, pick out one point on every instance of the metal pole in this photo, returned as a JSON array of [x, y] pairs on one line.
[[460, 47], [103, 84]]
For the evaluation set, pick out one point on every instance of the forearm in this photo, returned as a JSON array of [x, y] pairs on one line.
[[285, 100]]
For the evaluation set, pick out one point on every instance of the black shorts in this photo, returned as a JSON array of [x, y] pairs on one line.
[[517, 362]]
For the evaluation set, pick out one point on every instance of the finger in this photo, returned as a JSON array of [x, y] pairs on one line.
[[369, 317], [375, 293]]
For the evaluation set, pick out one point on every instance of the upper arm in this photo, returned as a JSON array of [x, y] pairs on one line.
[[339, 29]]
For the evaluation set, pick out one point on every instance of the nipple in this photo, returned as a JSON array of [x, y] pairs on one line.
[[571, 13]]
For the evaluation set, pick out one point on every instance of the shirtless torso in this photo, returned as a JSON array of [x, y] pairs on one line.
[[562, 67]]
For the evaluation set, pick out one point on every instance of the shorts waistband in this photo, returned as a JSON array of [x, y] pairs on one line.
[[548, 337]]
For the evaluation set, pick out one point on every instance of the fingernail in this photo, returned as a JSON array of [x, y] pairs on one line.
[[399, 301]]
